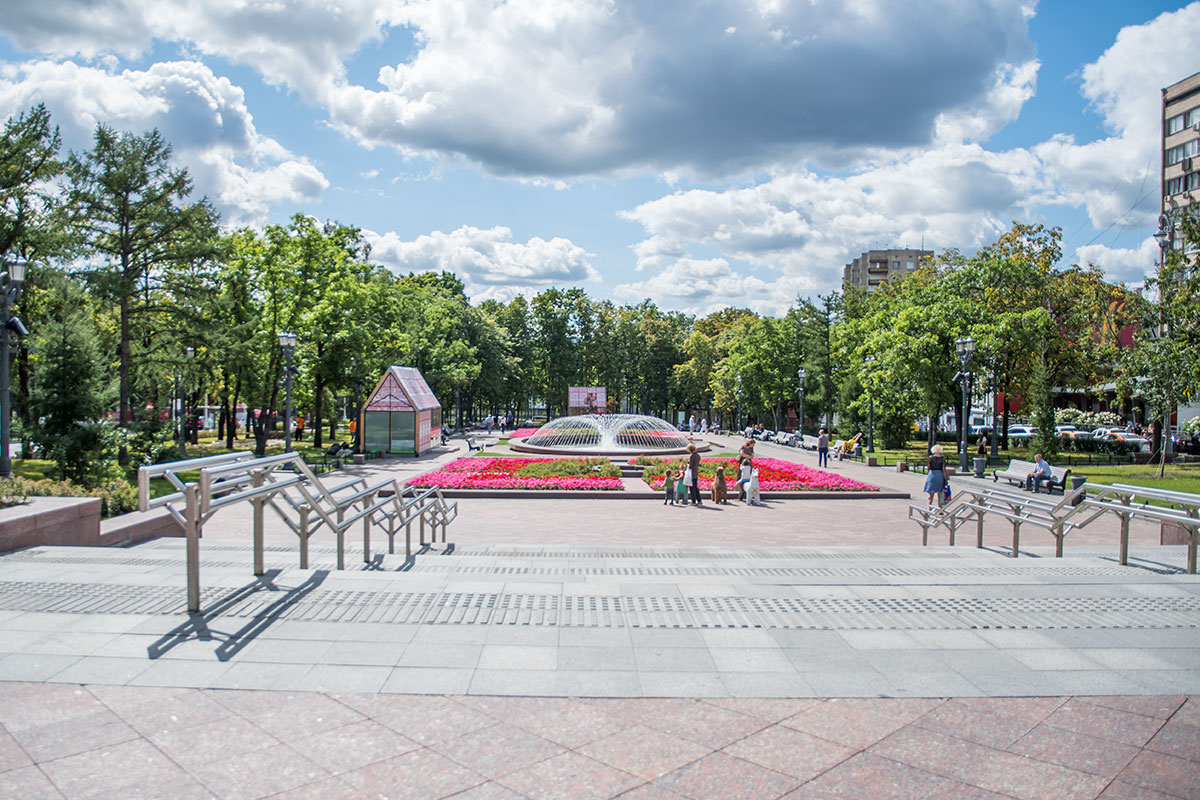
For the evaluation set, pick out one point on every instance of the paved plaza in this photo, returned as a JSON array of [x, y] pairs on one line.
[[596, 648]]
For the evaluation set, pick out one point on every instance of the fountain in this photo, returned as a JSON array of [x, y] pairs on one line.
[[607, 435]]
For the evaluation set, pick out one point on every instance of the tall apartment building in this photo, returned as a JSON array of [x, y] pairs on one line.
[[876, 267], [1181, 144]]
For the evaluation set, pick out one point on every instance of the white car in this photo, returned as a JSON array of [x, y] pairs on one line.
[[1021, 432]]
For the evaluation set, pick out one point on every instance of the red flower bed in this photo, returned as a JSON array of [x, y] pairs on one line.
[[773, 476], [521, 433], [500, 473]]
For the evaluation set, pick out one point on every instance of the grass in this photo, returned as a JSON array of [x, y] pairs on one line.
[[1178, 477]]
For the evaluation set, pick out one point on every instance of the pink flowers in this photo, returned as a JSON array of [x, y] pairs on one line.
[[774, 475], [500, 473], [522, 433]]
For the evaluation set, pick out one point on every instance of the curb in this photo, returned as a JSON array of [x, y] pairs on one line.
[[566, 494]]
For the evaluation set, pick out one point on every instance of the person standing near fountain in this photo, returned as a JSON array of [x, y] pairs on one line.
[[694, 469]]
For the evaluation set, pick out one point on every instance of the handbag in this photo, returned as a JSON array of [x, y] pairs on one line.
[[687, 476], [946, 492]]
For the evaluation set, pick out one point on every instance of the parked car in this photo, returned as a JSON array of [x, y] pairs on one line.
[[1099, 432], [1021, 432], [1075, 433], [1143, 444]]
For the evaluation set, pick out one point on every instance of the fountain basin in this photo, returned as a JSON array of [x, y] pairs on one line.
[[606, 435]]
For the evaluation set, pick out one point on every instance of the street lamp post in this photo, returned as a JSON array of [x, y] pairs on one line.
[[965, 346], [287, 341], [800, 376], [13, 278], [1165, 236], [870, 408]]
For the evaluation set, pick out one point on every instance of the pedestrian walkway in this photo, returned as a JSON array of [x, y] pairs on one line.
[[579, 649]]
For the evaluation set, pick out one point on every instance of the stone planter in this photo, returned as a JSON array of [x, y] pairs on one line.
[[50, 520]]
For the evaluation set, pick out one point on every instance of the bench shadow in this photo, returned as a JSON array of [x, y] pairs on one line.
[[198, 626]]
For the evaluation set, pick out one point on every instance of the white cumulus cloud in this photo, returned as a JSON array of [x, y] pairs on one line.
[[488, 261], [202, 115]]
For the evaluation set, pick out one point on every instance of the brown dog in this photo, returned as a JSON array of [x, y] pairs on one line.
[[720, 492]]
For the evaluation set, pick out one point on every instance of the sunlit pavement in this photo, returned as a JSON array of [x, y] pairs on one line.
[[585, 648]]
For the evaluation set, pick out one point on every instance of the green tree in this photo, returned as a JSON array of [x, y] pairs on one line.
[[130, 204], [29, 224], [71, 390]]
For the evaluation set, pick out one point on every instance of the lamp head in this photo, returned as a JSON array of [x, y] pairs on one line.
[[287, 340], [965, 346], [801, 374], [191, 352], [16, 270]]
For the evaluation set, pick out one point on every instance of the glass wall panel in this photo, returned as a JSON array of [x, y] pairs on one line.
[[378, 435], [404, 425]]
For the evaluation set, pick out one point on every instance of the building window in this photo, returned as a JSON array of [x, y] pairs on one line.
[[1192, 118], [895, 265], [1175, 124], [1191, 182], [911, 265], [1174, 186], [1181, 151]]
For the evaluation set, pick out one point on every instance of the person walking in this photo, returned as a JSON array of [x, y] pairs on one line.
[[694, 469], [822, 448], [935, 481]]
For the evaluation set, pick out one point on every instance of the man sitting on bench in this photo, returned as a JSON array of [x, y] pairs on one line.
[[1041, 473]]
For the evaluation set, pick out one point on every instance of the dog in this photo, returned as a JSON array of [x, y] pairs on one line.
[[753, 495], [720, 490]]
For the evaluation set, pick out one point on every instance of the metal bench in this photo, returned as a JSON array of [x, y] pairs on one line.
[[1018, 470]]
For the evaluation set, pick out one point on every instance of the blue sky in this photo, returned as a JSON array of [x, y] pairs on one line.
[[699, 153]]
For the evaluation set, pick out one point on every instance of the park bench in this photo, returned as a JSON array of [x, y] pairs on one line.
[[471, 445], [1018, 470]]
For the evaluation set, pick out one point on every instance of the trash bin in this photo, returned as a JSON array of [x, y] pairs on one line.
[[980, 466], [1076, 482]]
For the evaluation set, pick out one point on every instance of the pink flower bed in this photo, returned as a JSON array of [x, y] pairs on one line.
[[773, 476], [497, 473], [521, 433]]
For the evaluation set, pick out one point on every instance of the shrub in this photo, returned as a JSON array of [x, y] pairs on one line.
[[1192, 425], [569, 466], [116, 496]]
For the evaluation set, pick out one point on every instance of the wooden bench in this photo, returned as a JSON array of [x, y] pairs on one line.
[[472, 446], [1018, 470]]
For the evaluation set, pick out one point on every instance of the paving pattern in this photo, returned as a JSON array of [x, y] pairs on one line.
[[566, 649]]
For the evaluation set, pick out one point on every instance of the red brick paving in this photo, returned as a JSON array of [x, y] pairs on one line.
[[210, 743]]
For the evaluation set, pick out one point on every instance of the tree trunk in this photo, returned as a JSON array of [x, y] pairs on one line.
[[23, 382], [231, 431], [124, 355], [318, 407], [932, 438]]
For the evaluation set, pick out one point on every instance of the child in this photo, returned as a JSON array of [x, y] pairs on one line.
[[681, 489], [754, 496], [669, 484], [745, 468]]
